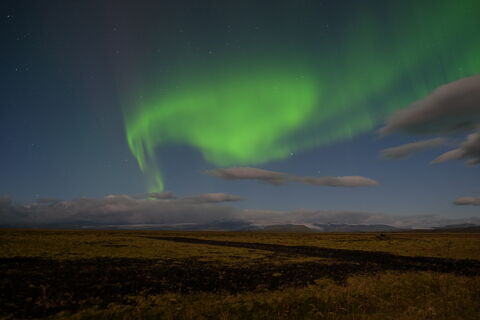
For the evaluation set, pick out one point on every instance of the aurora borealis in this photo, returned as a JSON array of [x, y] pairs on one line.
[[136, 98], [239, 112], [245, 119]]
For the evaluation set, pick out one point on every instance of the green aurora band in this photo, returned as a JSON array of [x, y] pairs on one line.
[[243, 120], [248, 116]]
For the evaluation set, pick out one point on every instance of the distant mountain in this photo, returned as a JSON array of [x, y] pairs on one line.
[[354, 227], [226, 225], [241, 225], [464, 227], [458, 226], [220, 225], [287, 228]]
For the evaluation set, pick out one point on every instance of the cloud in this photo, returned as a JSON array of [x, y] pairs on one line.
[[406, 150], [48, 200], [212, 198], [312, 217], [346, 181], [161, 195], [117, 210], [450, 108], [279, 178], [454, 107], [469, 151], [467, 201], [304, 216], [129, 212], [247, 173], [5, 201]]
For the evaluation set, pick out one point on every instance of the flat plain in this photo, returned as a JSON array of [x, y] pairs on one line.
[[86, 274]]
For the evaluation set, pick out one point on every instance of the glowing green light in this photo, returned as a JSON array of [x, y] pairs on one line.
[[375, 63], [240, 120]]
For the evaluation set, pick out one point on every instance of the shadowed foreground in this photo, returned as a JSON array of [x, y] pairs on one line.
[[280, 282]]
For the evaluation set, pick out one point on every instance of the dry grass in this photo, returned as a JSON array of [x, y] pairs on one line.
[[74, 244], [444, 245], [400, 296], [386, 295], [134, 244]]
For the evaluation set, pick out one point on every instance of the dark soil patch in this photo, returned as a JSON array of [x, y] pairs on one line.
[[32, 287]]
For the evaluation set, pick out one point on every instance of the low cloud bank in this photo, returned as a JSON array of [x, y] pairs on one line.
[[279, 178], [312, 217], [118, 209], [192, 213]]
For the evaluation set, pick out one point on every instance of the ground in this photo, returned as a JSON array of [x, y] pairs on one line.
[[59, 274]]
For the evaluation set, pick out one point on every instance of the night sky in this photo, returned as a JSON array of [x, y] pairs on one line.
[[105, 101]]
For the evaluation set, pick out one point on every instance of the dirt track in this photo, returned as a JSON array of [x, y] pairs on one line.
[[384, 260]]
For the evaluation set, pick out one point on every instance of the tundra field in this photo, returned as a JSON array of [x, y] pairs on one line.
[[57, 274]]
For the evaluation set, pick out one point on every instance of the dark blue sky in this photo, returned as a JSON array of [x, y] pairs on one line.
[[67, 70]]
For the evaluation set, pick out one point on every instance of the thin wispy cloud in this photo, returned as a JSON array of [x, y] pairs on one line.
[[161, 195], [248, 173], [406, 150], [467, 201], [469, 151], [346, 181], [212, 198], [279, 178]]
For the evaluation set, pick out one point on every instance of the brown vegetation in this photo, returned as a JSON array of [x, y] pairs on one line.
[[213, 275]]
